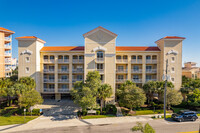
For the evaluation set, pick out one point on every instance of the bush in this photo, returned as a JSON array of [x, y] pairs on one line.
[[111, 109], [97, 112], [84, 112], [103, 112], [79, 113], [34, 112]]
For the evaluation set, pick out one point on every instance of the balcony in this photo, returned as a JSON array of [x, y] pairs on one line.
[[63, 89], [7, 39], [122, 60], [7, 54], [75, 79], [78, 60], [121, 70], [48, 70], [77, 70], [137, 80], [151, 70], [151, 80], [7, 46], [99, 60], [63, 61], [49, 61], [49, 90], [63, 80], [63, 70], [121, 80], [7, 61], [101, 71], [49, 80], [151, 61], [8, 69], [138, 61], [136, 70]]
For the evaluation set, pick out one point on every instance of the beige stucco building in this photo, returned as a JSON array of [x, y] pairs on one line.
[[5, 52], [55, 69], [190, 70]]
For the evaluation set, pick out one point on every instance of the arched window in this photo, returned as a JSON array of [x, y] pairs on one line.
[[100, 54]]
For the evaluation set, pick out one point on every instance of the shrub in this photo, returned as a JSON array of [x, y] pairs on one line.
[[103, 112], [111, 109], [79, 113], [84, 112], [97, 112], [34, 112]]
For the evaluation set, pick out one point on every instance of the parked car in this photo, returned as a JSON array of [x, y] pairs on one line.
[[185, 115]]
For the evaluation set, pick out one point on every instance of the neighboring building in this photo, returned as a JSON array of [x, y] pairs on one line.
[[190, 70], [55, 69], [5, 52], [14, 63]]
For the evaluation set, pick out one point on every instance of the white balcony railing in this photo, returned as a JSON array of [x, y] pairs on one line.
[[99, 60], [122, 60], [49, 80], [63, 70], [7, 46], [7, 54], [137, 80], [121, 70], [75, 79], [7, 39], [136, 61], [63, 61], [151, 70], [77, 70], [48, 70], [8, 69], [151, 80], [63, 89], [151, 61], [121, 80], [8, 61], [136, 70], [63, 80], [49, 61], [49, 90], [100, 70]]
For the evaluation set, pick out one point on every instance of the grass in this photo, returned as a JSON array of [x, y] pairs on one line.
[[148, 112], [176, 110], [15, 120], [96, 116]]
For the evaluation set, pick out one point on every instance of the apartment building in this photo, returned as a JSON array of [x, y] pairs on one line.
[[5, 52], [190, 70], [55, 69]]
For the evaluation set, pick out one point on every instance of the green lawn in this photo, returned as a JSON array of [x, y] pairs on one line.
[[15, 120], [176, 110], [96, 116], [148, 112]]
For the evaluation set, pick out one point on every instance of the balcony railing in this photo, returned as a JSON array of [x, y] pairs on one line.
[[75, 79], [49, 60], [48, 70], [8, 61], [7, 39], [63, 60], [49, 90], [78, 60], [139, 61], [136, 70], [63, 70], [99, 60], [7, 46], [7, 54], [100, 70], [121, 80], [137, 80], [77, 70], [151, 70], [63, 80], [151, 61], [122, 60], [151, 80], [49, 80], [121, 70], [63, 89], [8, 69]]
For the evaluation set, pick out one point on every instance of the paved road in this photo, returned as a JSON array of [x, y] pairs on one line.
[[160, 126]]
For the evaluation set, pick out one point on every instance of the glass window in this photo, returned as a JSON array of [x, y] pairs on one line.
[[99, 66], [99, 54], [118, 57], [81, 57], [172, 79], [135, 76], [51, 86], [173, 59], [148, 67], [148, 57], [51, 57], [66, 57], [45, 57], [51, 76], [120, 76], [101, 78], [148, 76], [51, 68], [135, 67], [27, 70], [64, 77], [63, 68], [80, 77], [27, 59], [173, 69], [133, 57], [120, 67], [64, 86]]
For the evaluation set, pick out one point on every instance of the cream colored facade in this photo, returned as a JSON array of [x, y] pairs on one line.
[[55, 69], [5, 52], [191, 71]]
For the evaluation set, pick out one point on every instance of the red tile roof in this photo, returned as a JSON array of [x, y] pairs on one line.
[[30, 37], [170, 37], [125, 48], [63, 48], [99, 28], [6, 30]]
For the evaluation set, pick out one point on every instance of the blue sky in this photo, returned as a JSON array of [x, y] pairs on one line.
[[137, 22]]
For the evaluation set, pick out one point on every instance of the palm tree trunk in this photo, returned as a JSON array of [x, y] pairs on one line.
[[101, 105]]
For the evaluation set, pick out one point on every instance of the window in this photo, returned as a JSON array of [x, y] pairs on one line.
[[64, 77], [135, 76], [120, 76], [45, 85], [173, 70], [148, 68], [133, 57], [120, 68], [51, 57], [118, 57], [81, 57], [99, 66], [64, 68], [51, 77], [135, 68], [51, 86], [148, 57], [51, 68], [148, 77], [63, 86], [45, 57], [101, 78], [27, 70], [27, 59], [172, 79], [173, 59], [99, 54]]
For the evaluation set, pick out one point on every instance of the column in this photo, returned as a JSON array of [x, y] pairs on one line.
[[129, 67], [56, 73], [143, 69], [70, 71]]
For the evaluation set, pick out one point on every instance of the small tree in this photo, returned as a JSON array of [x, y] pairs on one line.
[[194, 98], [150, 88], [30, 98], [28, 82], [104, 91], [130, 95], [146, 129]]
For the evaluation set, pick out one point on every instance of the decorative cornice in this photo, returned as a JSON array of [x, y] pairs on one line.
[[174, 52], [26, 52], [99, 48]]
